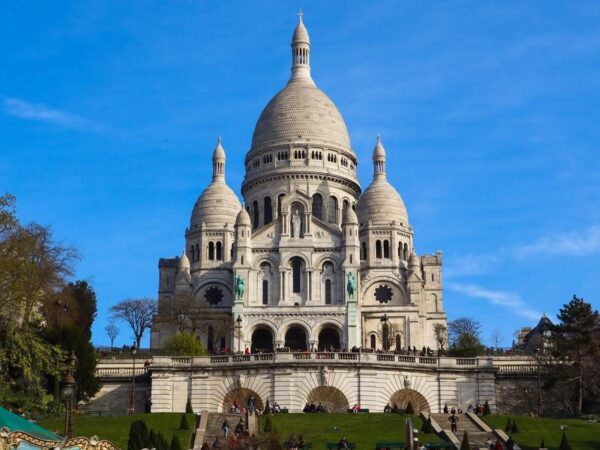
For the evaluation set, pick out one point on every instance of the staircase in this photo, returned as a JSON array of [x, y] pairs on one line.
[[212, 427], [478, 437]]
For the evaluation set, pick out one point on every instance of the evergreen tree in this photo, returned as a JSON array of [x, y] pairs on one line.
[[465, 442], [564, 443], [409, 408], [183, 424], [175, 444], [542, 444], [138, 436], [268, 425], [188, 406], [267, 408], [152, 438], [508, 425], [427, 428], [486, 409], [161, 442], [514, 428]]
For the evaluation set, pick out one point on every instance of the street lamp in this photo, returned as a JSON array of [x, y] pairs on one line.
[[239, 331], [68, 392], [132, 397], [384, 330], [539, 382]]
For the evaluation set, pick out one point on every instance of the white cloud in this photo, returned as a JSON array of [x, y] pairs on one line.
[[580, 243], [509, 300], [37, 111]]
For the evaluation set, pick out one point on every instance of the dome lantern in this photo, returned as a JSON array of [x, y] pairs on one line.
[[301, 52], [219, 161], [379, 159]]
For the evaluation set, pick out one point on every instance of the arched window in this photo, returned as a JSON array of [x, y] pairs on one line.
[[332, 210], [279, 202], [317, 206], [255, 214], [211, 251], [268, 210], [386, 249], [296, 275], [378, 249], [405, 252], [197, 253], [373, 341], [219, 251], [432, 277], [350, 258], [345, 205], [265, 292], [328, 292], [363, 251]]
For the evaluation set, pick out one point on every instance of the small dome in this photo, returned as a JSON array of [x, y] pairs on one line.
[[219, 150], [184, 262], [243, 218], [413, 260], [381, 204], [350, 217], [217, 205], [378, 151], [300, 34]]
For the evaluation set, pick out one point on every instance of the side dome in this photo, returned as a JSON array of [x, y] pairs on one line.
[[217, 205], [243, 218], [380, 203]]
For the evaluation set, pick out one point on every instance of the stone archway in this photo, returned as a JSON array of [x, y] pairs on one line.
[[332, 398], [403, 396], [296, 338], [262, 340], [242, 395], [329, 339]]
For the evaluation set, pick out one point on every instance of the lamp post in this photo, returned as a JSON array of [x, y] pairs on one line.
[[238, 326], [68, 394], [384, 332], [539, 383], [132, 396]]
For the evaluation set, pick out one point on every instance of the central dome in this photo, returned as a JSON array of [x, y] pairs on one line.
[[300, 112]]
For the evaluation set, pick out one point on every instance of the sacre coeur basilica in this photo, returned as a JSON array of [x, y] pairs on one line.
[[310, 291]]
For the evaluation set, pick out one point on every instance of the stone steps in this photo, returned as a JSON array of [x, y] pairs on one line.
[[214, 426], [477, 437]]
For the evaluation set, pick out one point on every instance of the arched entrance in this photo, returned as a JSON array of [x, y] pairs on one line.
[[295, 339], [332, 398], [262, 341], [403, 396], [242, 395], [329, 339]]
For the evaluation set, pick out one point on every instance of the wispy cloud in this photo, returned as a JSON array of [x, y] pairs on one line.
[[509, 300], [580, 243], [39, 112]]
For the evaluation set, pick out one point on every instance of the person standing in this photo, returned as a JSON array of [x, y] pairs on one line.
[[453, 423], [225, 428]]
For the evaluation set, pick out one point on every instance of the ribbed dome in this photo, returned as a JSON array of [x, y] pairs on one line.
[[217, 205], [300, 112], [381, 204], [243, 218]]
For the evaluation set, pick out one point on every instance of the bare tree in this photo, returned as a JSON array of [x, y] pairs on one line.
[[496, 337], [137, 312], [186, 316], [112, 332], [441, 335]]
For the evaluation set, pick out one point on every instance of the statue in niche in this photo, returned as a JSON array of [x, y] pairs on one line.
[[296, 224], [351, 286]]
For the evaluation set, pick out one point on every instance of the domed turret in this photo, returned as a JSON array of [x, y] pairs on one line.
[[349, 217], [380, 203], [243, 218], [184, 262], [217, 205]]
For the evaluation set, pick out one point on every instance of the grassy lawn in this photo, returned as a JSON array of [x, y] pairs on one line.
[[582, 435], [116, 429], [362, 429]]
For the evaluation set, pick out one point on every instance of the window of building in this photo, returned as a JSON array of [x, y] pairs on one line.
[[219, 251], [211, 251], [279, 203], [386, 249], [378, 249], [363, 251], [255, 214], [268, 210], [373, 341], [332, 210], [296, 275], [265, 292], [317, 206], [328, 292]]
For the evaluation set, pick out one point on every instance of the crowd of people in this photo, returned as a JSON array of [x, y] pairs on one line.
[[312, 408]]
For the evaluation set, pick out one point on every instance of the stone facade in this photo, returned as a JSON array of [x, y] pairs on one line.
[[324, 265]]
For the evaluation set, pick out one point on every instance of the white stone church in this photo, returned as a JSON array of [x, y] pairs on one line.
[[309, 261]]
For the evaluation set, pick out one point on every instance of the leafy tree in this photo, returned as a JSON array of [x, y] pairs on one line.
[[465, 442], [188, 406], [465, 337], [175, 444], [574, 351], [564, 442], [137, 313], [138, 436], [409, 408], [183, 424], [486, 409], [184, 344], [112, 331]]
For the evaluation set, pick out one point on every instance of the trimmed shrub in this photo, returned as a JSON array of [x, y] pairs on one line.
[[508, 425], [409, 408], [175, 444], [542, 444], [161, 442], [486, 409], [564, 443], [427, 428], [267, 408], [138, 436], [514, 428], [268, 425], [184, 425], [465, 442], [188, 407]]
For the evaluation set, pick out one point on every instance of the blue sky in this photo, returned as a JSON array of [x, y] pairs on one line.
[[489, 112]]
